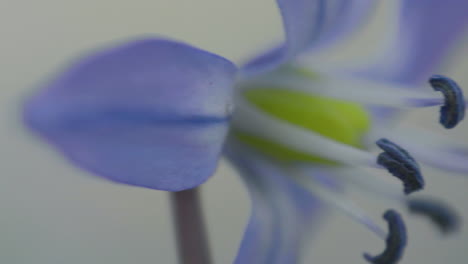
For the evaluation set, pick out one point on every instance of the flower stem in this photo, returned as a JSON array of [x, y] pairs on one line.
[[192, 241]]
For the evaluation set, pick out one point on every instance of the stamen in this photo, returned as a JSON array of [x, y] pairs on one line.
[[453, 111], [442, 215], [396, 240], [401, 165], [435, 150], [345, 88]]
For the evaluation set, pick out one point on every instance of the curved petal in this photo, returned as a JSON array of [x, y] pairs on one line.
[[283, 214], [427, 30], [310, 24], [150, 113]]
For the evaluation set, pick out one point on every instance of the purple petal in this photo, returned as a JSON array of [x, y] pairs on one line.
[[149, 113], [282, 217], [427, 30], [310, 24]]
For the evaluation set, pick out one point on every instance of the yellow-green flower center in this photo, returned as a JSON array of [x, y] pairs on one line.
[[342, 121]]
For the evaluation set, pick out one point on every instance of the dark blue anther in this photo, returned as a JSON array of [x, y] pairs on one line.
[[401, 165], [442, 215], [453, 111], [395, 242]]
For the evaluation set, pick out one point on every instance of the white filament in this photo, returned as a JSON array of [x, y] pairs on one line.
[[338, 201], [351, 89], [249, 119]]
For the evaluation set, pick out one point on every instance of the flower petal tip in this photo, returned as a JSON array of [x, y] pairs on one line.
[[395, 243], [151, 113], [401, 165], [442, 215], [453, 111]]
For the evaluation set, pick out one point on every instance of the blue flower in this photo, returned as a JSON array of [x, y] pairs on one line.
[[158, 113]]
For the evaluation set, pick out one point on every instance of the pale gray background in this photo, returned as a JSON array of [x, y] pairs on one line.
[[51, 212]]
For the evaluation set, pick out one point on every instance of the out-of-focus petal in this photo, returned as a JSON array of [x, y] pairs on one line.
[[149, 113], [283, 214], [309, 24], [427, 30]]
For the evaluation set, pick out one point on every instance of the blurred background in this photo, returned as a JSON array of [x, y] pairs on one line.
[[51, 212]]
